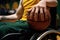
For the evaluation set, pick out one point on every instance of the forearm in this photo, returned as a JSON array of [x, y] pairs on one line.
[[8, 17], [51, 3], [16, 15], [51, 0]]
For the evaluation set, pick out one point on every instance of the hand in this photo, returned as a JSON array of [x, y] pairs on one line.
[[38, 10], [0, 17]]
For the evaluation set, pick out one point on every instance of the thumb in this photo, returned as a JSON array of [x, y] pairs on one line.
[[29, 9]]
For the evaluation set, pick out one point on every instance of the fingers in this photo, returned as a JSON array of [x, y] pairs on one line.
[[28, 15], [32, 13], [36, 14], [41, 14], [46, 15], [29, 10]]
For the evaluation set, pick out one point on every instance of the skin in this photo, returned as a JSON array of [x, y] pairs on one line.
[[42, 7], [19, 12], [35, 9], [51, 3]]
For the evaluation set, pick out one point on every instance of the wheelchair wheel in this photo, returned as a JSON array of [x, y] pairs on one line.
[[48, 35], [11, 36]]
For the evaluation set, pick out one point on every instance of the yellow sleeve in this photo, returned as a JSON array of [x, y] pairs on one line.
[[27, 4]]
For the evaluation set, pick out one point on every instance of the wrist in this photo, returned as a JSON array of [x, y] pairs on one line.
[[3, 18], [51, 3]]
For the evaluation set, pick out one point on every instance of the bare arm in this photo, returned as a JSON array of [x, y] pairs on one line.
[[51, 3], [18, 14]]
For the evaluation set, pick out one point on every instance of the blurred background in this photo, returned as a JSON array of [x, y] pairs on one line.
[[58, 13]]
